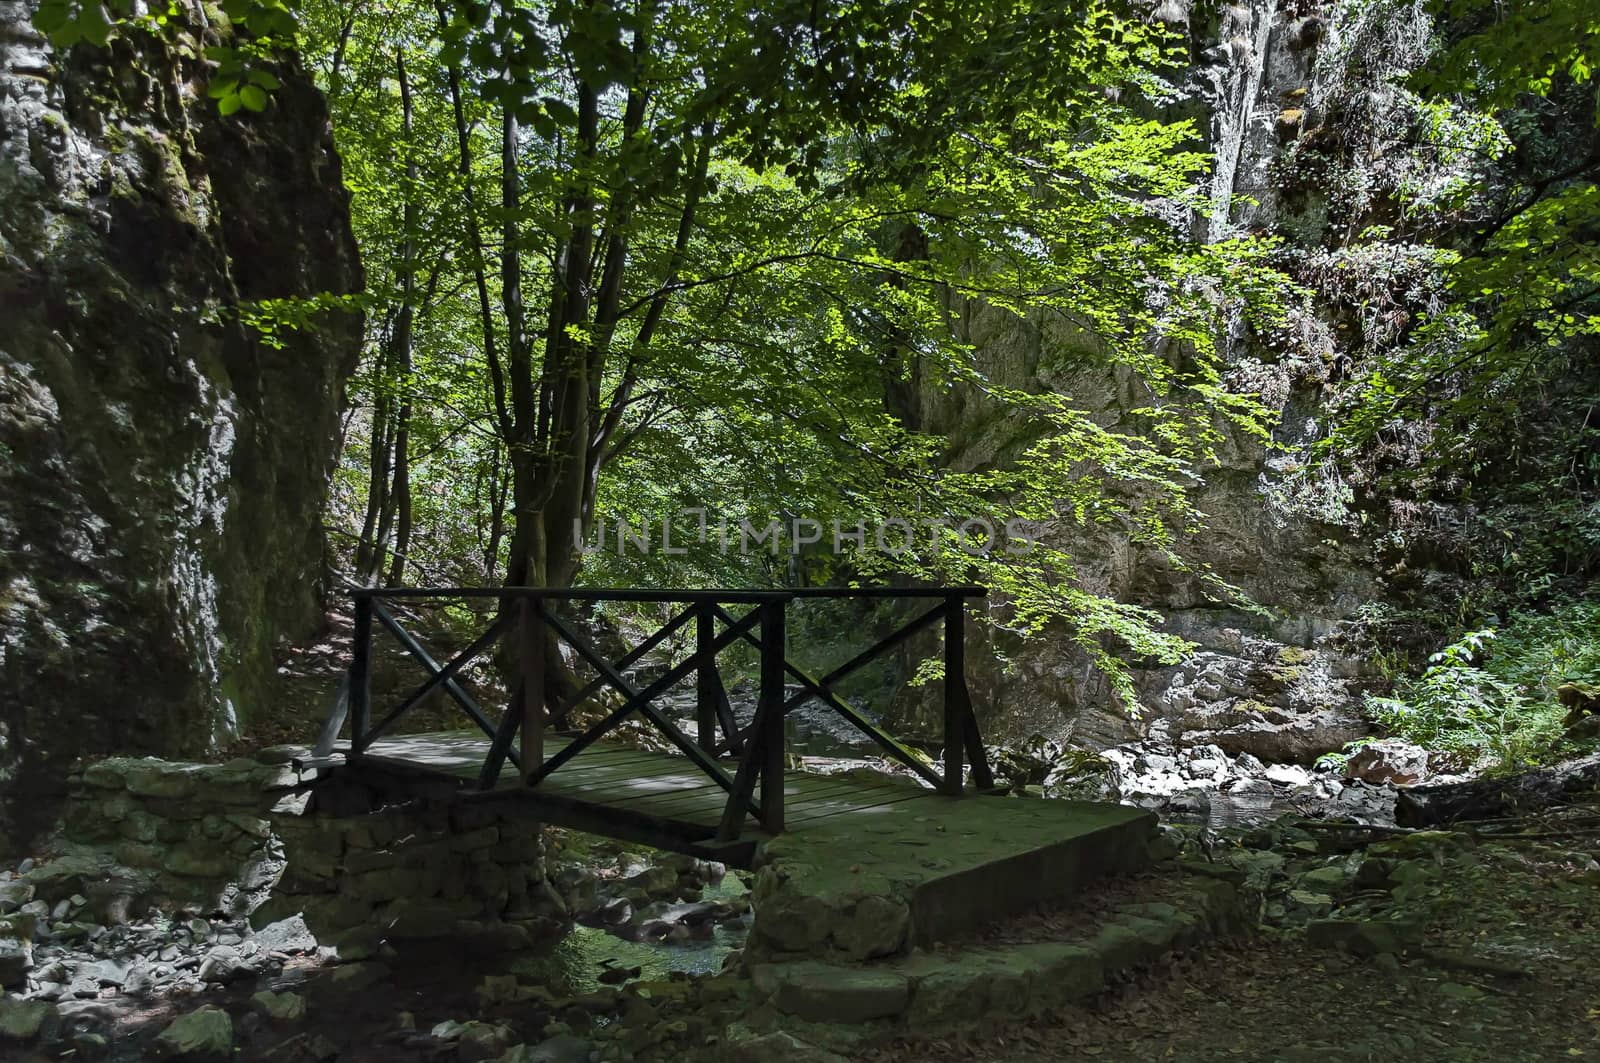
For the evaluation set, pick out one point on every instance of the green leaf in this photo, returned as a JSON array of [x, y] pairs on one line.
[[66, 36], [229, 104], [222, 87], [253, 97]]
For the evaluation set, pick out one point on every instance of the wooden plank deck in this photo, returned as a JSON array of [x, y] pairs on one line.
[[959, 862], [661, 797]]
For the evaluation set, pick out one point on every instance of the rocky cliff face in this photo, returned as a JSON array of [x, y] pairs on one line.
[[1271, 684], [162, 467]]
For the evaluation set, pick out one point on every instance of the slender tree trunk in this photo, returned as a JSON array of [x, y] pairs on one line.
[[527, 563], [491, 354], [497, 514], [377, 471], [380, 540], [403, 338]]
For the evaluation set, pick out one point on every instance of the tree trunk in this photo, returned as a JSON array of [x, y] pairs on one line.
[[367, 548], [402, 339], [497, 514]]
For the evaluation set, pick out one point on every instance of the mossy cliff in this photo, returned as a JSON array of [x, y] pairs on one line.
[[162, 468]]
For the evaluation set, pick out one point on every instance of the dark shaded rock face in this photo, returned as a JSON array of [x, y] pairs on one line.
[[162, 468]]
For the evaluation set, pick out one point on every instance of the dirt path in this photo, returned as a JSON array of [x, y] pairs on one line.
[[1273, 997]]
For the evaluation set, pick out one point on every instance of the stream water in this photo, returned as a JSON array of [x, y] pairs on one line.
[[579, 961]]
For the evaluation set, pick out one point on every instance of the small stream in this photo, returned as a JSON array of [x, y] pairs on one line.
[[577, 963]]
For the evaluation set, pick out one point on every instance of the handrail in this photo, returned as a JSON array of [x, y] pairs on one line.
[[529, 627], [639, 594]]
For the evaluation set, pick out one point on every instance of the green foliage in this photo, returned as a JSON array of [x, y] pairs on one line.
[[1491, 695], [808, 217]]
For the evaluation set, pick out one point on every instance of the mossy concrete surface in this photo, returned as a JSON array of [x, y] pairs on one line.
[[945, 987], [932, 869]]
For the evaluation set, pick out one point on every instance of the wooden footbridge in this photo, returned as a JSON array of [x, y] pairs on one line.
[[721, 790]]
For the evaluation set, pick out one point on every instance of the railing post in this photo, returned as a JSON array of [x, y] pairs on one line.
[[770, 711], [707, 690], [531, 649], [955, 691], [361, 675]]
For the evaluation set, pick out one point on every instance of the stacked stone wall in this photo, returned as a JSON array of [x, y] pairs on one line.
[[257, 837]]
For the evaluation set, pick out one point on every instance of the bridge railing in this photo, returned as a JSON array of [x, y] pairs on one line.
[[527, 622]]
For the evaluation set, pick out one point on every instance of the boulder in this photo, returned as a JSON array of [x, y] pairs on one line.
[[25, 1020], [202, 1035], [280, 1007], [1282, 736], [475, 1040], [1332, 880], [223, 965], [165, 469], [286, 935], [1388, 760], [1362, 937], [14, 895]]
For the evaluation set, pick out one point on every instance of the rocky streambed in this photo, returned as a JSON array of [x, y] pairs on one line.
[[199, 984]]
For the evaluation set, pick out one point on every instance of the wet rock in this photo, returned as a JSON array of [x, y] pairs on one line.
[[1206, 762], [475, 1040], [653, 883], [614, 912], [319, 1047], [617, 975], [1389, 760], [203, 1034]]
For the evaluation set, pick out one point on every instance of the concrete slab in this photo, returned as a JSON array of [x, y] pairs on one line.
[[913, 873]]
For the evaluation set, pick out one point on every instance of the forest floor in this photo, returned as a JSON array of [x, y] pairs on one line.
[[1505, 970]]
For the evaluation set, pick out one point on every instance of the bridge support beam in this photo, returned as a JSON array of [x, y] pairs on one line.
[[770, 711], [532, 642]]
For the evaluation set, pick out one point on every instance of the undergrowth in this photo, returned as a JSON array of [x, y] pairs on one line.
[[1490, 697]]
